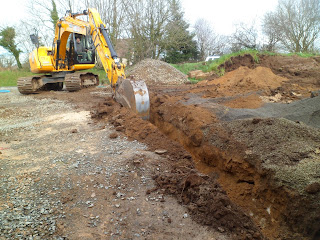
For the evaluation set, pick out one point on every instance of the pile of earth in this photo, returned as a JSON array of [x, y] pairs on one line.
[[248, 88], [244, 88], [157, 72], [302, 72], [244, 80], [284, 156]]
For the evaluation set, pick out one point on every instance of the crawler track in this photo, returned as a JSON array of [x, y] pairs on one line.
[[73, 82], [29, 85], [77, 81]]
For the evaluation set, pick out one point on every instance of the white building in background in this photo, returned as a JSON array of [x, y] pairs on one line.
[[211, 58]]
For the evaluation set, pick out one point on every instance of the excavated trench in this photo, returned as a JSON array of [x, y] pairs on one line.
[[278, 211], [261, 170], [218, 169]]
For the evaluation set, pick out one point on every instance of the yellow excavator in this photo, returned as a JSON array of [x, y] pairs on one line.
[[74, 47]]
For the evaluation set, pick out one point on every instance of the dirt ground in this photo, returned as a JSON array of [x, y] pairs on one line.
[[231, 158], [65, 176]]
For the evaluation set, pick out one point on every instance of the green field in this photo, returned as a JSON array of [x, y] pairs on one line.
[[9, 78]]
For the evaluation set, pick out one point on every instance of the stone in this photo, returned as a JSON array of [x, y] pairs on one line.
[[313, 188], [136, 161], [315, 94], [113, 135], [160, 151], [198, 74], [74, 131], [119, 128]]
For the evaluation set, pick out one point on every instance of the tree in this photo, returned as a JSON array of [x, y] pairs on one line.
[[54, 14], [295, 24], [178, 43], [206, 38], [273, 37], [245, 37], [147, 20], [7, 41], [113, 14]]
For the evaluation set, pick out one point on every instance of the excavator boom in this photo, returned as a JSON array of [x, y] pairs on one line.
[[130, 93]]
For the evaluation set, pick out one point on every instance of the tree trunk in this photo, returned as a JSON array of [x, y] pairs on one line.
[[16, 56]]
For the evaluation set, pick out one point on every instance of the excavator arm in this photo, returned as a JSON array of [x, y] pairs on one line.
[[130, 93]]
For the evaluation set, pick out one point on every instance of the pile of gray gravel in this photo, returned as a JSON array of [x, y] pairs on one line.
[[157, 72], [306, 111]]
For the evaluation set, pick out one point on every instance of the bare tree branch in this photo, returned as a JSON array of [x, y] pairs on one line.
[[295, 24]]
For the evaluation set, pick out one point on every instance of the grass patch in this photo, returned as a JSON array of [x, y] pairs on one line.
[[8, 78], [304, 55], [194, 81], [220, 71], [188, 67]]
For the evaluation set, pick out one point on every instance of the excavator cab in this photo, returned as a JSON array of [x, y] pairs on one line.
[[81, 49]]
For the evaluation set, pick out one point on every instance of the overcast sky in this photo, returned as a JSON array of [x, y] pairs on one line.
[[222, 14], [12, 11]]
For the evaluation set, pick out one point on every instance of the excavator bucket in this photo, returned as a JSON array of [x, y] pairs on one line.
[[133, 94]]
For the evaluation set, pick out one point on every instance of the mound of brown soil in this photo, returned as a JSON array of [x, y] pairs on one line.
[[157, 72], [303, 73], [244, 79], [235, 62]]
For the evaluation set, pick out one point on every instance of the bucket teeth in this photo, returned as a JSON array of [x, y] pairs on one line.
[[133, 94]]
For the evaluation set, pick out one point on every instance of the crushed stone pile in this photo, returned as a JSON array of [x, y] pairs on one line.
[[290, 153], [306, 111], [157, 72], [245, 80]]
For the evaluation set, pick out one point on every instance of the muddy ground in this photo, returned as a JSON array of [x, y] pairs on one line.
[[239, 155]]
